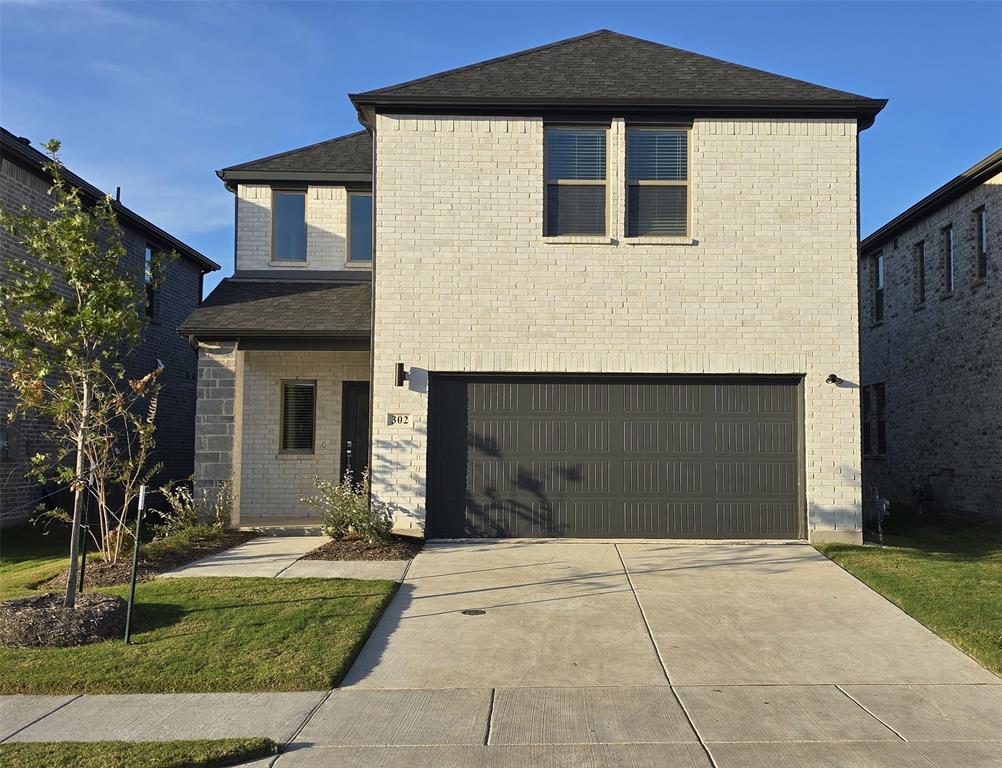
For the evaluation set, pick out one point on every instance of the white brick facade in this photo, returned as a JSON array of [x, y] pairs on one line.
[[326, 229], [464, 280]]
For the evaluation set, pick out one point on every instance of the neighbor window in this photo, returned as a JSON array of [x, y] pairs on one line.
[[873, 420], [299, 401], [981, 243], [288, 225], [878, 287], [575, 171], [918, 254], [149, 279], [949, 267], [359, 227], [657, 162]]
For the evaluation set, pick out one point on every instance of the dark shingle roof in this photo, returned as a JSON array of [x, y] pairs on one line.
[[611, 68], [240, 307], [351, 154], [21, 149]]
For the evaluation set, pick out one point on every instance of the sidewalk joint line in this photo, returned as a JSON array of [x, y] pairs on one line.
[[38, 719], [490, 717], [855, 701], [306, 720], [661, 661]]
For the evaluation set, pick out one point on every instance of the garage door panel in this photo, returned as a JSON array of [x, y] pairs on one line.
[[699, 457]]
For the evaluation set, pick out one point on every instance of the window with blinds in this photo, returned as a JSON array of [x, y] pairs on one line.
[[299, 401], [657, 175], [575, 171]]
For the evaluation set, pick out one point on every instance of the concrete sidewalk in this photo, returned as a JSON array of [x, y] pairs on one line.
[[590, 655], [280, 557]]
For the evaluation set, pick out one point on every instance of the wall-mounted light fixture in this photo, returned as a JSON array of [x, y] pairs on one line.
[[833, 379], [401, 375]]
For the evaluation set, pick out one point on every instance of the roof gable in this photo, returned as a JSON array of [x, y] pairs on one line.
[[613, 68]]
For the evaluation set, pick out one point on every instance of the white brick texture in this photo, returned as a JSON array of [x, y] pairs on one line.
[[326, 229], [271, 483], [767, 283]]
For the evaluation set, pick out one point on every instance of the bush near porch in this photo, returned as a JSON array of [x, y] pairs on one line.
[[946, 573]]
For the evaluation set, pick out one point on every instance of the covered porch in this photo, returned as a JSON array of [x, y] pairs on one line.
[[283, 392]]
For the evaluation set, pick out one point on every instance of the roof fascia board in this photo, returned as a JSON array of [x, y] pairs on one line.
[[30, 157], [271, 176], [953, 189]]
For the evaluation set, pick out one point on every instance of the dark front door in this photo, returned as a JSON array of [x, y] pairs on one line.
[[616, 456], [354, 427]]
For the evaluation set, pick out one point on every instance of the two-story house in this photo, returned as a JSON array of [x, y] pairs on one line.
[[931, 349], [24, 182], [600, 288]]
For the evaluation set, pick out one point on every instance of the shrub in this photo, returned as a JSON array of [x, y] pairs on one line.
[[347, 510], [187, 510]]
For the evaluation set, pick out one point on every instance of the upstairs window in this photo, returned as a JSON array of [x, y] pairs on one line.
[[949, 267], [657, 179], [359, 227], [299, 405], [150, 279], [575, 172], [981, 243], [918, 254], [878, 288], [288, 226]]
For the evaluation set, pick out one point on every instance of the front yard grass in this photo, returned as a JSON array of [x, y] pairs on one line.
[[124, 754], [214, 634], [946, 574]]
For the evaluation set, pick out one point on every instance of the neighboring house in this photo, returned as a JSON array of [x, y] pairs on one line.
[[609, 282], [23, 182], [931, 348]]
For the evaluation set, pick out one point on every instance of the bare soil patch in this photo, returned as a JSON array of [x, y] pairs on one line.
[[42, 621], [101, 574], [360, 548]]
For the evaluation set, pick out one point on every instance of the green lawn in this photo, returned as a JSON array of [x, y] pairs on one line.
[[947, 576], [124, 754], [204, 634]]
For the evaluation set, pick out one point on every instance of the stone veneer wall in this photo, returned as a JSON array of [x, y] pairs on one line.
[[940, 362], [465, 281]]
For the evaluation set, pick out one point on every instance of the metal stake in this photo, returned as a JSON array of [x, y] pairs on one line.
[[85, 524], [135, 562]]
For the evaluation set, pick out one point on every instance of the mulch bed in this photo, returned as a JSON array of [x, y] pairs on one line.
[[43, 622], [359, 548], [101, 574]]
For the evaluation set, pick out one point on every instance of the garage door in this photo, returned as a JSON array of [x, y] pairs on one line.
[[615, 456]]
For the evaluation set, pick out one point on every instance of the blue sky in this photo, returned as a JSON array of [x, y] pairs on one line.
[[154, 97]]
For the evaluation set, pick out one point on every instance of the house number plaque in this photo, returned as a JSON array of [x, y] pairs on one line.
[[398, 419]]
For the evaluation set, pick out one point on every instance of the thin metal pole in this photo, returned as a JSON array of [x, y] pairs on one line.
[[135, 561], [86, 528]]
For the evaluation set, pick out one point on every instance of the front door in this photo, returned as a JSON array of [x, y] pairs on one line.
[[354, 428]]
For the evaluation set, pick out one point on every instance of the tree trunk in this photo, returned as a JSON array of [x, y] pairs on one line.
[[78, 497]]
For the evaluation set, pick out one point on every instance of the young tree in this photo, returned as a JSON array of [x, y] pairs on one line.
[[67, 316]]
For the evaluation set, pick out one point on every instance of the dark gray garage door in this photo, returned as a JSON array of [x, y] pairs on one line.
[[615, 456]]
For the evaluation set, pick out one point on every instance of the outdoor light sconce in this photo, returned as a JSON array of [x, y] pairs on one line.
[[833, 379], [401, 375]]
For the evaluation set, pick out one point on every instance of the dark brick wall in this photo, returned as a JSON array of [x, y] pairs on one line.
[[940, 362], [178, 295]]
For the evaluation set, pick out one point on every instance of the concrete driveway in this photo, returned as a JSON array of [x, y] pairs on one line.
[[637, 654]]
